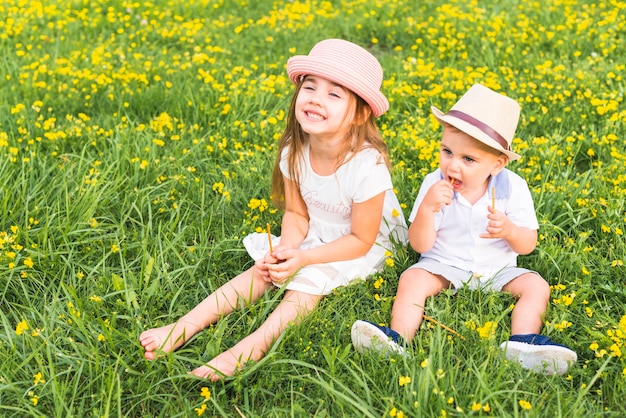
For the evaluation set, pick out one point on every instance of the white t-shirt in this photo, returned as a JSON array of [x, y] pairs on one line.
[[329, 202], [460, 224]]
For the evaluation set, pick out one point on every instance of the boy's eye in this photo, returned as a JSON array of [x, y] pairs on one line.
[[468, 159], [446, 151]]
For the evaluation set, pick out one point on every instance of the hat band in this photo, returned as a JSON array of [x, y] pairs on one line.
[[490, 132]]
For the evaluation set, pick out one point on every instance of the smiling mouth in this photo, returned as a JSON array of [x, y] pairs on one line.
[[314, 116]]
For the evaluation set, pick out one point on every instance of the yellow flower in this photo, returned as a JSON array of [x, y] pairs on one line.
[[488, 330], [525, 405], [29, 263], [201, 410], [21, 327], [115, 248], [206, 393], [38, 379], [476, 406], [404, 380]]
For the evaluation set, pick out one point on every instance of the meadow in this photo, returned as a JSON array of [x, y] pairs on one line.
[[136, 147]]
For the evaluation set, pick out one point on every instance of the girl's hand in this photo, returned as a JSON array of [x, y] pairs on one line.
[[260, 267], [288, 261], [439, 194]]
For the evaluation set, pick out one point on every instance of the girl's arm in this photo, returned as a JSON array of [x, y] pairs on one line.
[[366, 219], [295, 223]]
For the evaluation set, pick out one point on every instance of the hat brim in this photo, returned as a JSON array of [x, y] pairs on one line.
[[303, 65], [472, 131]]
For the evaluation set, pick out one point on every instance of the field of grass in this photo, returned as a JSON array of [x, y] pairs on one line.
[[136, 146]]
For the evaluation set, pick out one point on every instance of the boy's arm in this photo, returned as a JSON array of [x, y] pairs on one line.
[[521, 240], [422, 233]]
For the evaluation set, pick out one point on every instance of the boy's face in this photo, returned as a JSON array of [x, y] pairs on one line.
[[468, 163]]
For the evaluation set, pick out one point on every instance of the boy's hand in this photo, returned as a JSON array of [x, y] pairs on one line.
[[439, 194], [499, 225]]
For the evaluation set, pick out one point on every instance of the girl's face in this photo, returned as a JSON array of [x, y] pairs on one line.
[[467, 163], [324, 108]]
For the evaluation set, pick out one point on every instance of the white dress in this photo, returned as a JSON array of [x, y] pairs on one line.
[[329, 202]]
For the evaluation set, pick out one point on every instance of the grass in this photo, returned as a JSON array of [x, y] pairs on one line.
[[136, 146]]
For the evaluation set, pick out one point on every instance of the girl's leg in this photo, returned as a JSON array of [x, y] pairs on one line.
[[291, 310], [414, 287], [533, 294], [245, 288]]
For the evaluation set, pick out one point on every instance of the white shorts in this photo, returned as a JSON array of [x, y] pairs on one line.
[[459, 278]]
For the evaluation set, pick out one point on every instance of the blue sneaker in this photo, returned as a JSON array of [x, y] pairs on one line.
[[539, 353], [368, 336]]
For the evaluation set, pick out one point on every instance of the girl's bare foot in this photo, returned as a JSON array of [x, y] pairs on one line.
[[166, 338], [223, 365]]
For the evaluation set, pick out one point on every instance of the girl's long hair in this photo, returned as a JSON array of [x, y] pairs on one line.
[[363, 133]]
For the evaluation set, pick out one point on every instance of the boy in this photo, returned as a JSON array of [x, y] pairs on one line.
[[471, 219]]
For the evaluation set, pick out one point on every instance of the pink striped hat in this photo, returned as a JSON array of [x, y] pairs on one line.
[[346, 64]]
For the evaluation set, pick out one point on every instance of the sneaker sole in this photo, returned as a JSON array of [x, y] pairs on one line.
[[546, 359], [366, 336]]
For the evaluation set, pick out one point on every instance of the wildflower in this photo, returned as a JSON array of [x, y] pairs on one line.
[[21, 327], [92, 222], [378, 283], [38, 378], [425, 363], [206, 393], [525, 405], [201, 410], [488, 330], [404, 380], [29, 263], [115, 248]]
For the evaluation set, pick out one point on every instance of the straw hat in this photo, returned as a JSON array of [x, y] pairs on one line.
[[485, 115], [346, 64]]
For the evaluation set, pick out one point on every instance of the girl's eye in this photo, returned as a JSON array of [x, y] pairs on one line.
[[334, 94]]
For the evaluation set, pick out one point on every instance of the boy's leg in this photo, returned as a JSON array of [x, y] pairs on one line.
[[290, 311], [533, 295], [244, 288], [414, 287], [526, 346]]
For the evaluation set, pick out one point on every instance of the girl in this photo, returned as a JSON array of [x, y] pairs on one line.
[[332, 179]]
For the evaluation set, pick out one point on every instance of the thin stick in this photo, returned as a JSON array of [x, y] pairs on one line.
[[269, 238], [493, 199], [428, 318]]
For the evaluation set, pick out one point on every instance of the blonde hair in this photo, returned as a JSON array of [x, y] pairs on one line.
[[363, 133]]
